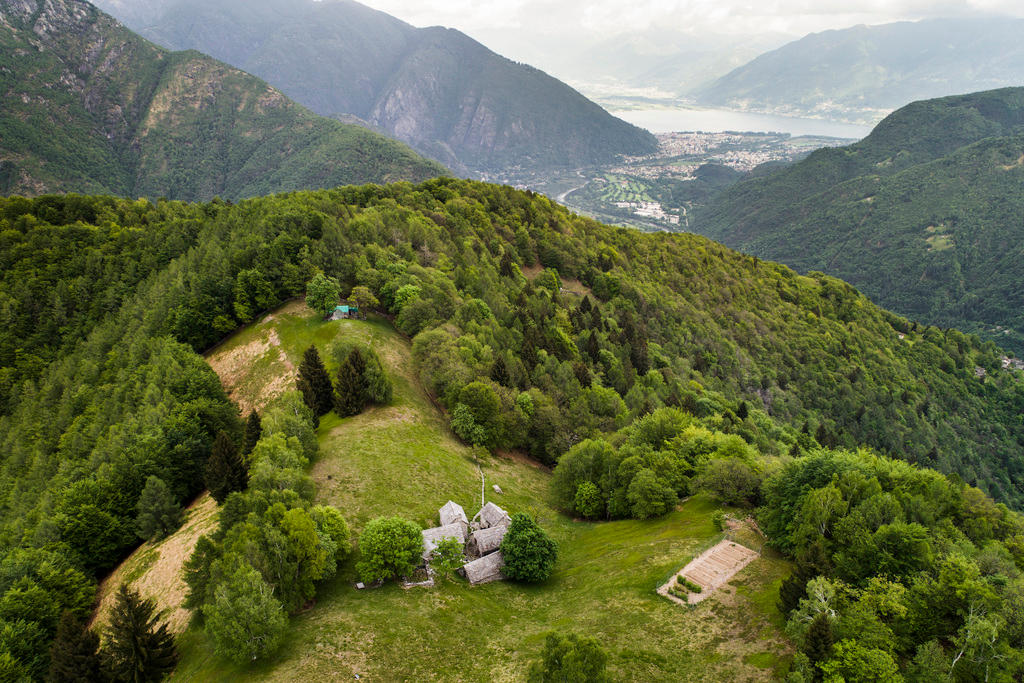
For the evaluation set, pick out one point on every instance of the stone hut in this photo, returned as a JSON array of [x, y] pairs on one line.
[[431, 537], [491, 515], [485, 541], [485, 569], [451, 512]]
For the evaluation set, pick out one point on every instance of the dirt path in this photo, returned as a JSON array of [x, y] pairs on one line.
[[711, 569]]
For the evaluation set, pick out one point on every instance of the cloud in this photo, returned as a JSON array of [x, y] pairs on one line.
[[735, 17]]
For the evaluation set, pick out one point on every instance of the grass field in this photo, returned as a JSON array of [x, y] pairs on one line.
[[401, 459]]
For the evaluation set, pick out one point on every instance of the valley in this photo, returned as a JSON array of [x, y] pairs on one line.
[[658, 191]]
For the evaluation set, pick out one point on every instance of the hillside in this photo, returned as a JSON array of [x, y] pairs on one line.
[[436, 89], [923, 215], [91, 107], [862, 73], [402, 459]]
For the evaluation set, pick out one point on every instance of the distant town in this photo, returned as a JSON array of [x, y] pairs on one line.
[[652, 192]]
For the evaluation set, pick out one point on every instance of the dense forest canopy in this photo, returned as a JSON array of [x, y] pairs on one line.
[[537, 329]]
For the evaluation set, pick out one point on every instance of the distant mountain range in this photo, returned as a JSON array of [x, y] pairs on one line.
[[862, 73], [925, 215], [91, 107], [437, 89]]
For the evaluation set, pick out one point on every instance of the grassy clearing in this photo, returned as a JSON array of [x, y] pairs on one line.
[[155, 568], [401, 459]]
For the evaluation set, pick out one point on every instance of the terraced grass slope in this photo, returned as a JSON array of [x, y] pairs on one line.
[[401, 459]]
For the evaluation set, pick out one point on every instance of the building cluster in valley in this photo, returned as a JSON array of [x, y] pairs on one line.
[[480, 537]]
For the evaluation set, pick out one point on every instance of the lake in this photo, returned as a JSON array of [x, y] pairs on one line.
[[674, 120]]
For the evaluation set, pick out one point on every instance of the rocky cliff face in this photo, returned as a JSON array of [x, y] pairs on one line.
[[437, 89], [92, 107]]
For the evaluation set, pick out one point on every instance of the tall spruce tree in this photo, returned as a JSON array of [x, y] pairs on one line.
[[253, 432], [74, 655], [818, 644], [225, 470], [499, 372], [137, 648], [315, 383], [350, 392]]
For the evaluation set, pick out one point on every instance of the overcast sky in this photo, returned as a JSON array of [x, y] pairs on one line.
[[743, 17]]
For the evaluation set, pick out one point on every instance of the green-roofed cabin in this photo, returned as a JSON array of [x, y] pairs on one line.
[[343, 312]]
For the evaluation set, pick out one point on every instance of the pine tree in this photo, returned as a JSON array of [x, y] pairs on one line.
[[137, 649], [74, 656], [350, 390], [253, 432], [818, 644], [506, 266], [225, 470], [315, 383], [499, 372], [158, 513]]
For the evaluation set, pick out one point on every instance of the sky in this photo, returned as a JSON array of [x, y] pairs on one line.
[[606, 18]]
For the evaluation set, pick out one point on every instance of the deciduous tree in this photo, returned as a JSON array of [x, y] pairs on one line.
[[389, 547], [322, 294]]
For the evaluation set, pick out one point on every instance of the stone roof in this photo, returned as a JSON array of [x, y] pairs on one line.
[[431, 537], [487, 540], [487, 568], [452, 512], [492, 515]]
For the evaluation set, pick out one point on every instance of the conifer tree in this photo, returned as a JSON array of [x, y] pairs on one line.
[[499, 372], [350, 395], [74, 656], [818, 645], [315, 383], [253, 432], [137, 649], [225, 470], [158, 513]]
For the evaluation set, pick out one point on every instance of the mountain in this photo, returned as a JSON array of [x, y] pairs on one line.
[[666, 375], [864, 72], [923, 215], [662, 61], [437, 89], [90, 106]]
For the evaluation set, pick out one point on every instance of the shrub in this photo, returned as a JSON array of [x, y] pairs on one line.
[[389, 547], [570, 659], [528, 551]]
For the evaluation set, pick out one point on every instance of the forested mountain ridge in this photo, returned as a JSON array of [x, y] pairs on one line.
[[863, 72], [923, 215], [537, 329], [91, 107], [437, 89]]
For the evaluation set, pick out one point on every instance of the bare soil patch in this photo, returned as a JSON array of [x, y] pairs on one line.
[[711, 569]]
